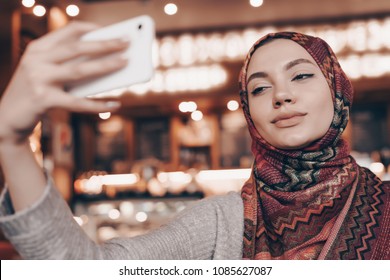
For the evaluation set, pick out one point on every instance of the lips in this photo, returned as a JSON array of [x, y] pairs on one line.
[[288, 119]]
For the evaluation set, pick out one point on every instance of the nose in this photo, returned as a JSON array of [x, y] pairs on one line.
[[283, 96]]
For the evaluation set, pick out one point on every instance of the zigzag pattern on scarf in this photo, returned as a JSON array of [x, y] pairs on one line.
[[300, 172], [360, 229], [316, 207], [295, 225]]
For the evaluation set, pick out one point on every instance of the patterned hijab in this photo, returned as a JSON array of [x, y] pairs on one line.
[[316, 202]]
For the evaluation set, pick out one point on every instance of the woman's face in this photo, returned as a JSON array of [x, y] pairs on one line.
[[289, 98]]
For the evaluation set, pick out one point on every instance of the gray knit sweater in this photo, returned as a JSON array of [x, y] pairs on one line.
[[210, 229]]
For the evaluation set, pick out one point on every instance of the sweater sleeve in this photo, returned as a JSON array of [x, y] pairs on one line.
[[47, 230], [209, 229]]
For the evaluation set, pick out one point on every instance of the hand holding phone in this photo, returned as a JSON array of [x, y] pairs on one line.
[[140, 31]]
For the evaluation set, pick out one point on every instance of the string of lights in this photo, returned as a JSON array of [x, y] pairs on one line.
[[39, 10], [73, 10]]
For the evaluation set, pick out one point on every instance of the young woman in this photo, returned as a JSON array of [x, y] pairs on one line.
[[306, 199]]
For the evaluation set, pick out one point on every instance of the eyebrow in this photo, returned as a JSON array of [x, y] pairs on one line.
[[288, 66], [291, 64], [257, 75]]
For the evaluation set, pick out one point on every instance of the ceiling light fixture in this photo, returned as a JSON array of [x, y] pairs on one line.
[[28, 3], [105, 115], [256, 3], [197, 115], [39, 11], [233, 105], [72, 10], [189, 106], [170, 9]]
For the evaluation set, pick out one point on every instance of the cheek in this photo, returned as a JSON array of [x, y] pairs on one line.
[[259, 112], [323, 109], [328, 106]]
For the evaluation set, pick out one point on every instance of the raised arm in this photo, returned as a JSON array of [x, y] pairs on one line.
[[38, 86], [43, 226]]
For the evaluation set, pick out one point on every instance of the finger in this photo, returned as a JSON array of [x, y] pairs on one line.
[[95, 48], [70, 32], [76, 72], [81, 105]]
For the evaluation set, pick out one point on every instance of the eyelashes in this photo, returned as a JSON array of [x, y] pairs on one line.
[[299, 77], [302, 76], [259, 90]]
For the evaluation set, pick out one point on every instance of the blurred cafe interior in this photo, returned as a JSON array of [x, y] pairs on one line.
[[182, 136]]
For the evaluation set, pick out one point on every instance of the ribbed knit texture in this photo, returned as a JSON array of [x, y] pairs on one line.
[[210, 229]]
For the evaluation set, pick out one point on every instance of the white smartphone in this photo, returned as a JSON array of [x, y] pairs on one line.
[[141, 33]]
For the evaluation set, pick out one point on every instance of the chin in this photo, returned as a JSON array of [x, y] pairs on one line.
[[292, 144]]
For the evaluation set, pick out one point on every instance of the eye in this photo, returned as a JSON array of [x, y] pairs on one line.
[[259, 90], [302, 77]]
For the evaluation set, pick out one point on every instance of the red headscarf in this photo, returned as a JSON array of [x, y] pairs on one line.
[[312, 203]]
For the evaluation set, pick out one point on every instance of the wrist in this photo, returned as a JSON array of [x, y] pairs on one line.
[[7, 143], [11, 139]]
